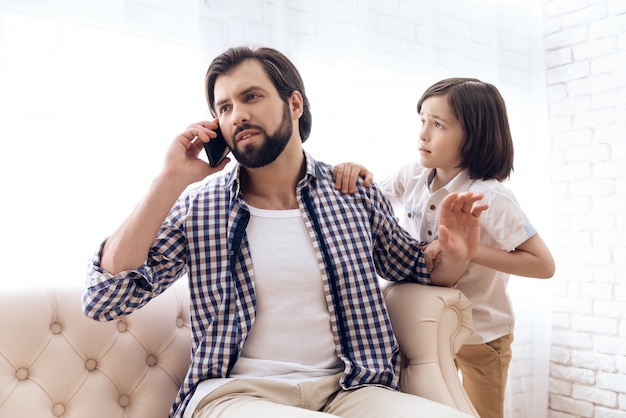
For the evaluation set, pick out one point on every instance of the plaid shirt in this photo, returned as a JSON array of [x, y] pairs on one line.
[[355, 238]]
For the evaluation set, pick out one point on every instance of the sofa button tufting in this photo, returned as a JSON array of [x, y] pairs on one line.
[[58, 410], [151, 360], [121, 326], [180, 322], [123, 400], [56, 328], [21, 373], [91, 364]]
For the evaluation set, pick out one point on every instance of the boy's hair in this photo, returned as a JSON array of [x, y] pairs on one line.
[[488, 147], [278, 67]]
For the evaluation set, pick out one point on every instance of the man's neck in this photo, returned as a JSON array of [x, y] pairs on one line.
[[274, 186]]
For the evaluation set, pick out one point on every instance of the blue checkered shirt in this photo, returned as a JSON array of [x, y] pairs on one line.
[[356, 238]]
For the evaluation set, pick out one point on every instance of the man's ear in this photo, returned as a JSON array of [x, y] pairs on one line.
[[296, 104]]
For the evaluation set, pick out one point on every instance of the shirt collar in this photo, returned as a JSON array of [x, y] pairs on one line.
[[313, 172], [457, 184], [232, 180]]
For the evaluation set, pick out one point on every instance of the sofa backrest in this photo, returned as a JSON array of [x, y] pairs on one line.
[[55, 362]]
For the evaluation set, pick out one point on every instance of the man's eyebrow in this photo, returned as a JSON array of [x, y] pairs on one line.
[[251, 88], [240, 94]]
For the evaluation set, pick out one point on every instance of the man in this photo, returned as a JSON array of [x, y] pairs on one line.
[[287, 316]]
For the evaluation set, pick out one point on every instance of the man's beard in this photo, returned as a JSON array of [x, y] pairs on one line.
[[251, 156]]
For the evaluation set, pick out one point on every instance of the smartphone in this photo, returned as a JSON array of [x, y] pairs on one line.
[[216, 149]]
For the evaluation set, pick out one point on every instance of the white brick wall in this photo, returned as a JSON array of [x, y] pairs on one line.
[[585, 67]]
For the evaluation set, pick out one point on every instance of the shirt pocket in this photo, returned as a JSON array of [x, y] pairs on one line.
[[413, 215]]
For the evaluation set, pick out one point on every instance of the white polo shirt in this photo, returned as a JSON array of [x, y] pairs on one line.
[[504, 226]]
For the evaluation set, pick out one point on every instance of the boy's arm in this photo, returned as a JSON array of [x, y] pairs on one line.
[[530, 259]]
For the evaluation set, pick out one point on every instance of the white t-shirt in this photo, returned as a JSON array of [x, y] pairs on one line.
[[504, 226], [291, 339]]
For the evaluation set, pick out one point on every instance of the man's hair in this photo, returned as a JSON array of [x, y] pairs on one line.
[[488, 147], [279, 68]]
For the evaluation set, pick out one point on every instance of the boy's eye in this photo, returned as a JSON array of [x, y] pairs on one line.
[[222, 109]]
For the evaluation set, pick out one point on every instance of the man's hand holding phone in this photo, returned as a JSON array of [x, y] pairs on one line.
[[183, 164]]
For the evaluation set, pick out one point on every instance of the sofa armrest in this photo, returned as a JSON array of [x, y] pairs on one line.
[[431, 324]]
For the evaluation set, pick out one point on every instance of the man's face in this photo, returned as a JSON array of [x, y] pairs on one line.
[[256, 123]]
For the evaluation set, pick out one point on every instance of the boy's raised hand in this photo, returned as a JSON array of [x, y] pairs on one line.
[[459, 224]]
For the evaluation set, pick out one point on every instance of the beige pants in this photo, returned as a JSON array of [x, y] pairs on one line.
[[260, 398], [485, 368]]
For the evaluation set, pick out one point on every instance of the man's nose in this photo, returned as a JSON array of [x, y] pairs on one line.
[[240, 115]]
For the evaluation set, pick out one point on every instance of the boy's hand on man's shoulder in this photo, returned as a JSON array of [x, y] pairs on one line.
[[347, 174]]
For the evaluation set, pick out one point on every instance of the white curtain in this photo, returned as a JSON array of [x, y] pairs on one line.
[[93, 91]]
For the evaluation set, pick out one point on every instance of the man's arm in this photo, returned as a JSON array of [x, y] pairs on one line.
[[127, 248], [459, 225], [459, 236]]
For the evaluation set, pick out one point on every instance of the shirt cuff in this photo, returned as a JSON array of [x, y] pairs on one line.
[[98, 278]]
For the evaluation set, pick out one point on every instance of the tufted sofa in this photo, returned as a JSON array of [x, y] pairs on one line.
[[55, 362]]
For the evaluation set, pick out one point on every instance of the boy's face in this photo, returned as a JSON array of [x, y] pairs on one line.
[[441, 135], [257, 124]]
